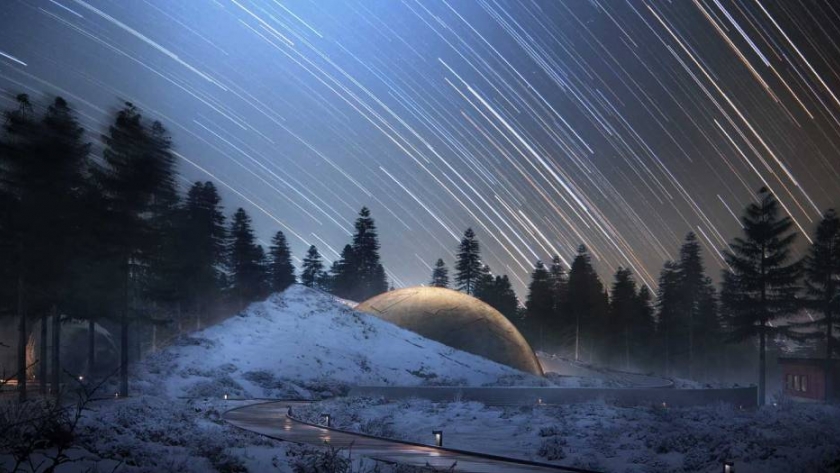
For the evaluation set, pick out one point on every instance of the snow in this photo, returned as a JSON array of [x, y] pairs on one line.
[[789, 437], [304, 343], [301, 343]]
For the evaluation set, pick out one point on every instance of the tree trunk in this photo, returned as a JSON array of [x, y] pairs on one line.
[[56, 351], [21, 361], [42, 358], [124, 336], [91, 368], [577, 337], [762, 370]]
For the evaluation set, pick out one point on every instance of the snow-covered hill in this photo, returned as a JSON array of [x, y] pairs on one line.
[[303, 342]]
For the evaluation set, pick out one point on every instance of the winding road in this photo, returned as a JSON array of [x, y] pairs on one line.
[[271, 419]]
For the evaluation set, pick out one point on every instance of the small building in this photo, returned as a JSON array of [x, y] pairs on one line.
[[810, 378]]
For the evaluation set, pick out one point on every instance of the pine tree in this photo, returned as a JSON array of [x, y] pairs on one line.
[[203, 247], [761, 285], [484, 290], [822, 285], [558, 323], [697, 325], [366, 271], [468, 263], [136, 172], [312, 271], [281, 271], [644, 326], [539, 304], [440, 275], [165, 285], [246, 261], [42, 166], [343, 279], [506, 301], [623, 310], [667, 305], [588, 307], [21, 131]]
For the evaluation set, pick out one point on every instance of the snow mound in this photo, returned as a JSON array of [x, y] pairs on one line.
[[303, 343]]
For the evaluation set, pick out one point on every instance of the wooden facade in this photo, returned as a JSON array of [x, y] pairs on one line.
[[810, 378]]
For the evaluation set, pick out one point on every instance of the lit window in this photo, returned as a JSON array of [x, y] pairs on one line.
[[804, 384]]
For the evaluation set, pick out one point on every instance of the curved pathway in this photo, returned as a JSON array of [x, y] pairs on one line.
[[271, 419]]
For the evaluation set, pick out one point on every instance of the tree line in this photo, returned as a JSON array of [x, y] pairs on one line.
[[684, 329], [109, 239]]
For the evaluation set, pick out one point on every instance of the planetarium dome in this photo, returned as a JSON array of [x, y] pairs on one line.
[[457, 320]]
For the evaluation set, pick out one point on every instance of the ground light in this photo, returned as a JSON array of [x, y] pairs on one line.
[[728, 467], [326, 418], [438, 437]]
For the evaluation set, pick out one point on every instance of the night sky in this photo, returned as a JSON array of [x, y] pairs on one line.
[[541, 124]]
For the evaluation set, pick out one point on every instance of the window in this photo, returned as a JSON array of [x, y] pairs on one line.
[[804, 384], [789, 382], [796, 382]]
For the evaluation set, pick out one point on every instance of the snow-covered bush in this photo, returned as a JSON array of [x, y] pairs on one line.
[[551, 448]]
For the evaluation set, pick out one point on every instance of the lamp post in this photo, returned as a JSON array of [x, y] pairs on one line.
[[326, 418], [728, 467], [438, 437]]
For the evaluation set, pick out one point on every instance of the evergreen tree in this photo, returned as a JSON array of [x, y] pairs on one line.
[[137, 170], [366, 268], [589, 305], [697, 325], [440, 275], [468, 263], [311, 273], [623, 311], [822, 284], [165, 283], [644, 326], [343, 278], [484, 289], [281, 271], [203, 247], [21, 131], [539, 304], [667, 305], [505, 301], [558, 323], [760, 286], [246, 261], [42, 166]]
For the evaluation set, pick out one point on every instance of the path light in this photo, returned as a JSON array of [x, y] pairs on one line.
[[326, 418], [225, 397], [438, 437], [539, 401], [728, 467], [81, 378]]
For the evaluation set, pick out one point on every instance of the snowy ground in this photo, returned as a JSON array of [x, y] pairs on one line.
[[789, 437], [299, 344], [303, 343]]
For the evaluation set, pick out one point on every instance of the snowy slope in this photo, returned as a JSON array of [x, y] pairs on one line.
[[303, 342]]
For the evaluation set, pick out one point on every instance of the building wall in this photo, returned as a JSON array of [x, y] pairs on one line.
[[739, 397], [804, 381]]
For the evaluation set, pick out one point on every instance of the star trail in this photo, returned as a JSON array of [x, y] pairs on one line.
[[622, 125]]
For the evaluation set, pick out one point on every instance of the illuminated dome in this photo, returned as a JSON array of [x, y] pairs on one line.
[[457, 320]]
